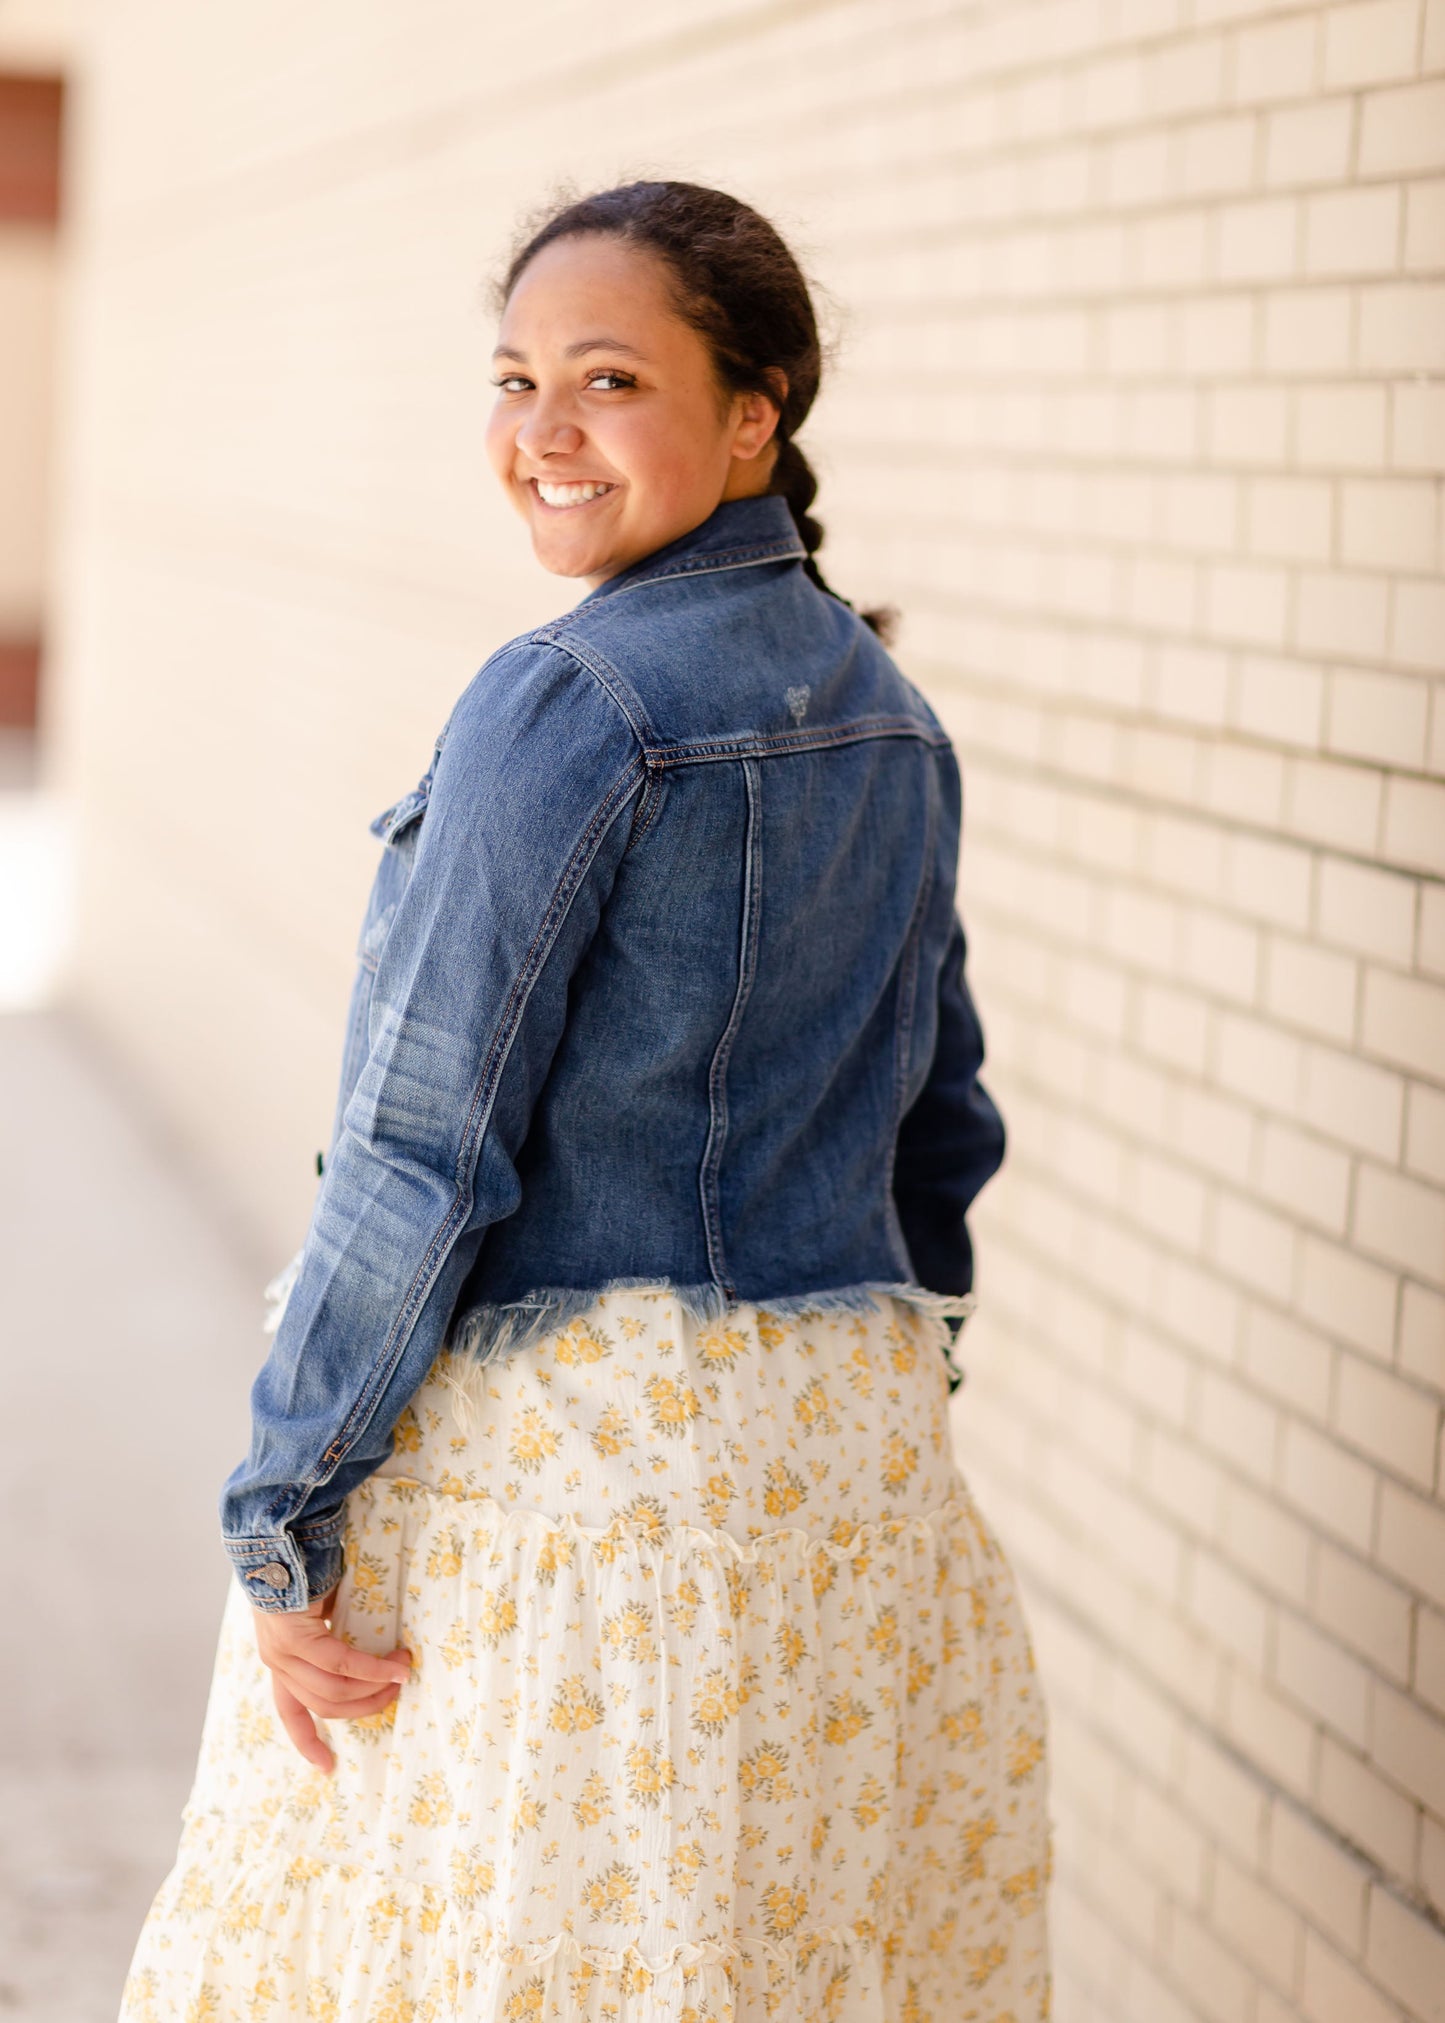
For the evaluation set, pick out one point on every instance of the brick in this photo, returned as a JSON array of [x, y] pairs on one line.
[[1365, 1807], [1276, 1736], [1246, 602], [1364, 1611], [1379, 716], [1238, 1427], [1288, 1362], [1412, 1541], [1256, 1060], [1199, 510], [1275, 61], [1192, 684], [1425, 227], [1430, 949], [1216, 156], [1352, 1298], [1283, 700], [1433, 41], [1312, 1870], [1258, 240], [1342, 426], [1269, 879], [1216, 340], [1353, 232], [1429, 1679], [1337, 1490], [1403, 1020], [1406, 1955], [1402, 327], [1344, 614], [1311, 988], [1402, 130], [1245, 782], [1334, 1991], [1425, 1134], [1307, 144], [1417, 626], [1254, 1247], [1367, 908], [1305, 1177], [1401, 1222], [1317, 1674], [1414, 829], [1247, 425], [1289, 517], [1354, 1102], [1422, 1336], [1394, 1422], [1335, 804], [1372, 43], [1417, 428], [1388, 523], [1268, 1935], [1231, 1613], [1184, 76], [1307, 332]]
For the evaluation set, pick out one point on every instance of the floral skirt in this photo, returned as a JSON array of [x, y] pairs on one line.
[[723, 1707]]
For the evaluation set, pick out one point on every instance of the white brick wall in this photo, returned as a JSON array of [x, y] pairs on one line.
[[1139, 413]]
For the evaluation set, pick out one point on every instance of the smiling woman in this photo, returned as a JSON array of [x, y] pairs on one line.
[[601, 1502]]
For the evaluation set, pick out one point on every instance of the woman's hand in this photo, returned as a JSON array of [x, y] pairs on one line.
[[313, 1672]]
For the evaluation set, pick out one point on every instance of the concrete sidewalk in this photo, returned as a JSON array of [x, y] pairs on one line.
[[130, 1330]]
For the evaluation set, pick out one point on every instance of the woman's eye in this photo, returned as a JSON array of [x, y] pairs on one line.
[[623, 379]]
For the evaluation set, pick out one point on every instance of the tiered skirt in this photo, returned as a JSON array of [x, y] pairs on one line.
[[723, 1708]]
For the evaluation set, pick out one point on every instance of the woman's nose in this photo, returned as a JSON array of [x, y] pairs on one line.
[[545, 429]]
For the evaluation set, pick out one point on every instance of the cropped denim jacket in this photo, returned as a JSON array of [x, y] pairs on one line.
[[661, 981]]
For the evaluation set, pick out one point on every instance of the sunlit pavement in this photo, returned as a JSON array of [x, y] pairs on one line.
[[130, 1328]]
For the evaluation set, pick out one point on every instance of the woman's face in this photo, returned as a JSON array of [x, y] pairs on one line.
[[600, 384]]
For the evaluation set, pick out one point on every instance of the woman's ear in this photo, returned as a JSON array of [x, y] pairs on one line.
[[759, 417]]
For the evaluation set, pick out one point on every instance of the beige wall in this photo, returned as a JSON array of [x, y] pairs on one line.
[[1139, 415]]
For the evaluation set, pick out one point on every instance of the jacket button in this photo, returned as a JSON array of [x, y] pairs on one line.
[[275, 1574]]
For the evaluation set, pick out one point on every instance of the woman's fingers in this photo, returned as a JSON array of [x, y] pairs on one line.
[[307, 1680], [300, 1727], [351, 1710], [332, 1655], [325, 1694]]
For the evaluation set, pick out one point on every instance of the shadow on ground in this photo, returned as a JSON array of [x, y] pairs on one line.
[[130, 1330]]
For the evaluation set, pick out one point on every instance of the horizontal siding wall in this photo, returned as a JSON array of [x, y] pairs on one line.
[[1138, 412]]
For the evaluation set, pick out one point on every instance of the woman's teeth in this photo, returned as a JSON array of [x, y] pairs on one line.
[[570, 495]]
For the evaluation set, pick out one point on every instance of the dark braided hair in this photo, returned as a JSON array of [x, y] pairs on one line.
[[734, 280]]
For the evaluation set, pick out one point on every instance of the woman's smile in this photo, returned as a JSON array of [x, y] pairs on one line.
[[567, 495]]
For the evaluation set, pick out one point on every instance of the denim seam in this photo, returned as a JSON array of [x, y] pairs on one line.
[[478, 1112], [782, 744], [648, 803], [907, 1000], [752, 557], [717, 1073]]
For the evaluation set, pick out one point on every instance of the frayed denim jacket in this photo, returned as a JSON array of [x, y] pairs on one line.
[[661, 981]]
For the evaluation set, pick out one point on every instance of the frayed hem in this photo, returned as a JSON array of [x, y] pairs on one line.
[[488, 1330]]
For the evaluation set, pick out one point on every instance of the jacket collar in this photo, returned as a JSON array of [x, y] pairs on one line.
[[735, 533]]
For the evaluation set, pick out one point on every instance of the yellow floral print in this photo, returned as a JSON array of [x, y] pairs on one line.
[[723, 1709]]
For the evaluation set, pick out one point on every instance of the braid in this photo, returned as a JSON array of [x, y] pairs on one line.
[[794, 478]]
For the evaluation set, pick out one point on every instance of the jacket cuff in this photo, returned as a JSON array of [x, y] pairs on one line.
[[286, 1572]]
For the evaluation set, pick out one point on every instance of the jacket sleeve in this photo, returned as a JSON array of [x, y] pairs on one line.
[[514, 851], [951, 1140]]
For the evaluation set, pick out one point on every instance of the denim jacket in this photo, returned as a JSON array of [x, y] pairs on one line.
[[661, 981]]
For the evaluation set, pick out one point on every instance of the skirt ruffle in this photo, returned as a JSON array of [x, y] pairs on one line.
[[661, 1766]]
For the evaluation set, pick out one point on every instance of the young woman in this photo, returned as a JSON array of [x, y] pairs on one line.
[[613, 1635]]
